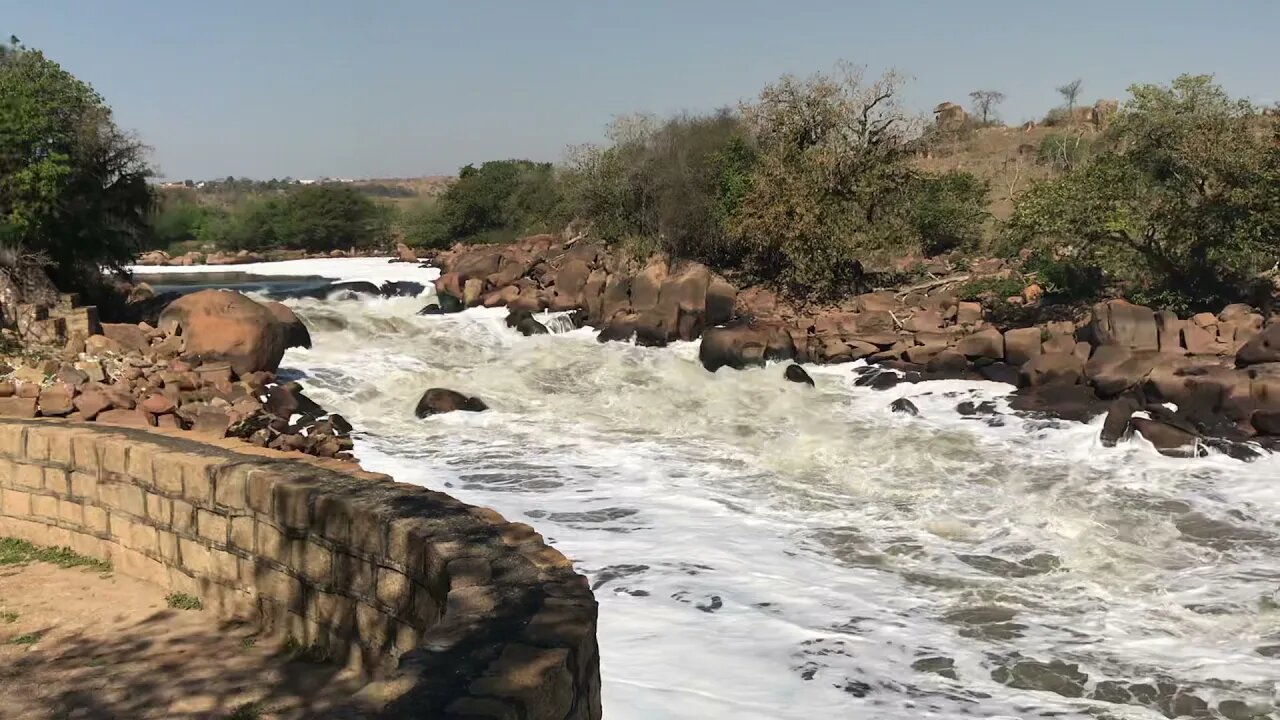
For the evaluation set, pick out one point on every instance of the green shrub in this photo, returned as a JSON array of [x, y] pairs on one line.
[[990, 288], [495, 202], [15, 552], [183, 601], [1183, 212], [1063, 152], [311, 217], [948, 211]]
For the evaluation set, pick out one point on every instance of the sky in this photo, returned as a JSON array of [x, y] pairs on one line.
[[405, 88]]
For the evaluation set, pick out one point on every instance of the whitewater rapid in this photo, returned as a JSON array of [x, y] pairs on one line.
[[762, 549]]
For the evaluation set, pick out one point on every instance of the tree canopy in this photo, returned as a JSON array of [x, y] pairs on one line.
[[73, 186]]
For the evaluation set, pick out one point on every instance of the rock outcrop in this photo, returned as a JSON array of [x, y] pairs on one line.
[[442, 400], [225, 325]]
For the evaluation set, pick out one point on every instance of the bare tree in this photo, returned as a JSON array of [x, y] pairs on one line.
[[985, 102], [1070, 93]]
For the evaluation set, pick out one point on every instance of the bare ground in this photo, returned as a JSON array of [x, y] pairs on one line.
[[78, 643]]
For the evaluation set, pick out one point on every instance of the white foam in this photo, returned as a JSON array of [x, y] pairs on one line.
[[824, 536], [375, 270]]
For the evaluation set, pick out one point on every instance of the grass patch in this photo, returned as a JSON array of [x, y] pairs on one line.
[[26, 639], [248, 711], [8, 617], [297, 652], [17, 552], [248, 642], [990, 288], [183, 601]]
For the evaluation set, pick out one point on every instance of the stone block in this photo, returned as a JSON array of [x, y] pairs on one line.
[[95, 520], [29, 476], [143, 538], [121, 497], [537, 678], [225, 566], [89, 546], [212, 526], [13, 440], [139, 465], [242, 533], [184, 518], [168, 476], [60, 446], [169, 548], [84, 485], [317, 563], [114, 455], [84, 452], [56, 480], [393, 590], [136, 564], [333, 517], [71, 512], [372, 625], [44, 506], [292, 502], [15, 503], [231, 484], [272, 543], [354, 575], [279, 586], [196, 558], [261, 489], [38, 443]]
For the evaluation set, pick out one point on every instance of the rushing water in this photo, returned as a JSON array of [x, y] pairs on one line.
[[762, 549]]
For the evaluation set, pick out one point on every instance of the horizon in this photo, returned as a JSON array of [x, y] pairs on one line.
[[325, 90]]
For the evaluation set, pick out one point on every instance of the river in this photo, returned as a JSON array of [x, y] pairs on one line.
[[762, 549]]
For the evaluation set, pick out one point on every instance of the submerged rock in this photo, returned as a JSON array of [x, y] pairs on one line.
[[443, 305], [442, 400], [796, 374], [903, 405]]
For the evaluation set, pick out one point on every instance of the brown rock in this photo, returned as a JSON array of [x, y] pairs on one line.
[[1021, 345], [616, 298], [168, 421], [18, 407], [1031, 294], [1116, 322], [132, 418], [479, 263], [91, 403], [923, 321], [501, 297], [7, 389], [986, 343], [1199, 341], [130, 337], [742, 345], [97, 345], [226, 325], [295, 332], [1205, 319], [1262, 348], [570, 283], [883, 301], [158, 405], [1169, 331], [593, 295], [1058, 368], [442, 400], [1168, 440], [721, 298], [968, 313], [921, 354], [472, 290], [449, 283], [55, 400], [405, 254], [948, 361], [1114, 369], [646, 287]]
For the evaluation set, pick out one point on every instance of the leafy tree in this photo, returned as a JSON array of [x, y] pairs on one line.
[[985, 103], [831, 178], [1184, 209], [73, 186], [498, 200], [948, 211]]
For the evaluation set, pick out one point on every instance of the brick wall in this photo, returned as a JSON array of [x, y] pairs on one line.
[[449, 609]]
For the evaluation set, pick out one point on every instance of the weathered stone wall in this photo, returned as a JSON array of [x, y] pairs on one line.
[[451, 610]]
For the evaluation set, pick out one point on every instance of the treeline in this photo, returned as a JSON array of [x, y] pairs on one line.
[[1176, 203], [307, 217]]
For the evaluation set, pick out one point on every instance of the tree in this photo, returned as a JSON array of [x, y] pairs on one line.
[[1182, 212], [828, 189], [498, 200], [1070, 93], [985, 102], [73, 186]]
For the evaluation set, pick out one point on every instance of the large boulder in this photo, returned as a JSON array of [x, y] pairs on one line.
[[571, 282], [1167, 439], [295, 332], [1056, 368], [405, 254], [1021, 345], [1117, 322], [226, 325], [478, 264], [1261, 348], [442, 400], [1114, 369], [986, 343], [129, 337], [740, 346]]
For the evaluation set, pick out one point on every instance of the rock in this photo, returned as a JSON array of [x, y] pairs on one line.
[[168, 421], [444, 304], [450, 284], [1117, 322], [1053, 369], [92, 370], [570, 285], [405, 254], [472, 290], [528, 326], [738, 346], [226, 325], [501, 297], [1061, 400], [1266, 422], [883, 301], [721, 297], [619, 328], [1032, 293], [92, 402], [1114, 369], [211, 422], [56, 401], [441, 400], [7, 389], [796, 374], [986, 343], [129, 337], [1200, 341], [478, 263], [1116, 428], [99, 345], [921, 354], [1167, 439], [903, 405], [1001, 372], [295, 333], [71, 377], [1021, 345], [157, 404], [1261, 348], [968, 313], [18, 407], [947, 362], [132, 418]]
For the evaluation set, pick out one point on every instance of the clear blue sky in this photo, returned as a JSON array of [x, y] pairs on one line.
[[363, 88]]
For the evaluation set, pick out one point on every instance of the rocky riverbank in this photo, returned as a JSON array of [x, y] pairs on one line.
[[208, 366], [1188, 385]]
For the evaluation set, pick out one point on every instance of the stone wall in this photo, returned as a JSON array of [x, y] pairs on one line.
[[449, 609]]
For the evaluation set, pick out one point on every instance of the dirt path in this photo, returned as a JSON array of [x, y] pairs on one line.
[[79, 644]]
